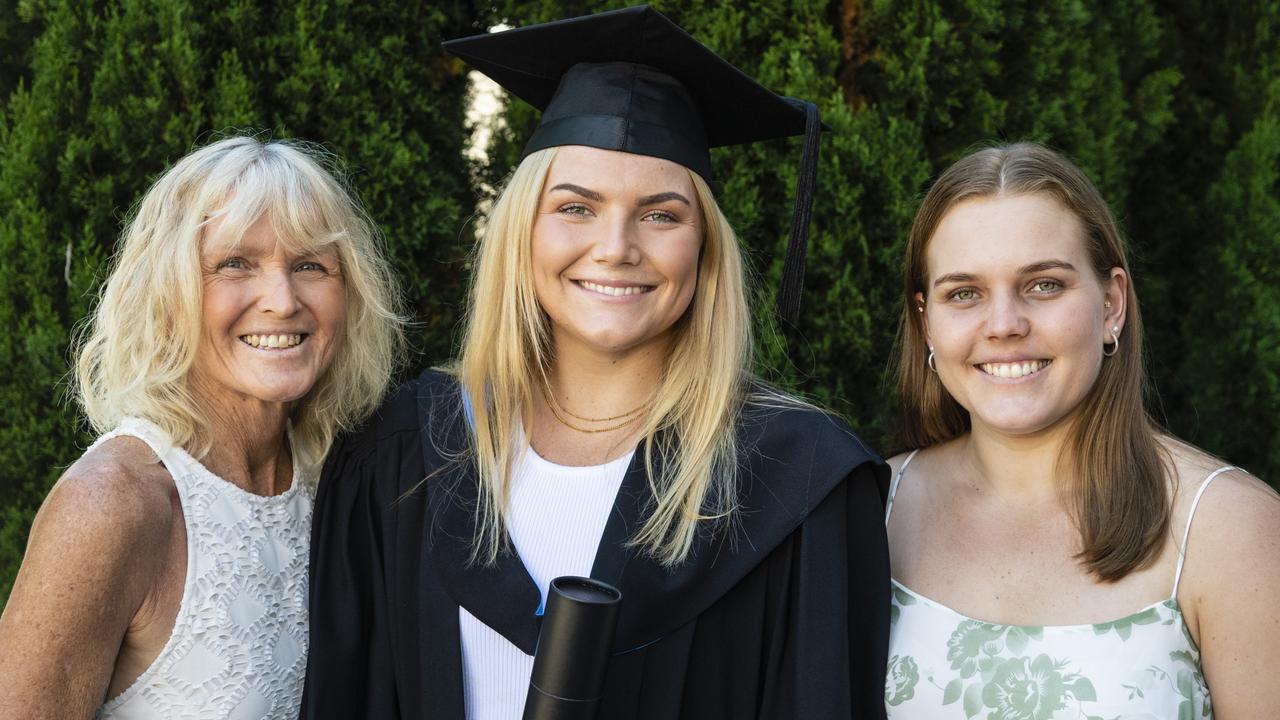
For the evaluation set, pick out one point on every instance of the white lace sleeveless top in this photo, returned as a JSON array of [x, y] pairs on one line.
[[943, 664], [239, 643]]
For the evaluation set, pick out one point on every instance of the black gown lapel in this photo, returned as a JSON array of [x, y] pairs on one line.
[[790, 459], [502, 595]]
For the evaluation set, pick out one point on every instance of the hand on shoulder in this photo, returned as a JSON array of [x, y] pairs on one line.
[[95, 549]]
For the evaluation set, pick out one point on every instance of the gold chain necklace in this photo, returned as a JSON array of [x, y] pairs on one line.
[[631, 415]]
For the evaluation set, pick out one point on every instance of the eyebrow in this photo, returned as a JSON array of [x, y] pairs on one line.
[[578, 190], [661, 198], [597, 197], [1024, 270]]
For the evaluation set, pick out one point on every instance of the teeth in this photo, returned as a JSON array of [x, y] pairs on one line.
[[614, 291], [1014, 370], [271, 341]]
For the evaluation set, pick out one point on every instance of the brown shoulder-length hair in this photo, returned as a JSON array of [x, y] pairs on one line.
[[1120, 498]]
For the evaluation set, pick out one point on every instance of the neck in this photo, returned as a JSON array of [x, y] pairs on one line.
[[597, 385], [247, 441], [1018, 469]]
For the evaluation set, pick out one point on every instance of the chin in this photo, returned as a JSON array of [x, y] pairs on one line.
[[284, 392]]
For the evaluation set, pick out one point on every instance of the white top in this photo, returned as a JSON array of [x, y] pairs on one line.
[[556, 518], [943, 664], [238, 650]]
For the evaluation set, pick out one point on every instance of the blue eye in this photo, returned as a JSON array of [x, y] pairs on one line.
[[311, 266], [234, 263]]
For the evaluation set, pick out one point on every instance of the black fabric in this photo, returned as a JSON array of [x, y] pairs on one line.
[[784, 617], [630, 80]]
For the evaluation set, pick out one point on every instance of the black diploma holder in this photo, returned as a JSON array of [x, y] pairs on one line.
[[572, 657]]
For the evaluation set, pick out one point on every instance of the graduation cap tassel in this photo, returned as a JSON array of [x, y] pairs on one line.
[[806, 183]]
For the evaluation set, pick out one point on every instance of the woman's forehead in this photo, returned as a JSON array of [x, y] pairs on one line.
[[1002, 232], [260, 236], [615, 171]]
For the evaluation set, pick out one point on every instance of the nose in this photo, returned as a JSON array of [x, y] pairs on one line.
[[1007, 317], [616, 244], [277, 294]]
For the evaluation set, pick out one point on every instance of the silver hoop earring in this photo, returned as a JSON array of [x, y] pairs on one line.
[[1115, 342], [930, 362]]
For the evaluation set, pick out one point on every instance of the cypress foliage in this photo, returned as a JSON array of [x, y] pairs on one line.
[[906, 90], [105, 97], [1172, 107]]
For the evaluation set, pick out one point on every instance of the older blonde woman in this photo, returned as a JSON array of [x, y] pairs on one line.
[[248, 317]]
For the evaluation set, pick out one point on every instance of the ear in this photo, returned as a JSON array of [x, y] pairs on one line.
[[924, 317], [1114, 309]]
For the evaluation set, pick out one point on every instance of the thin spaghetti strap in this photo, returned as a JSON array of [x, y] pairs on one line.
[[893, 486], [1186, 531]]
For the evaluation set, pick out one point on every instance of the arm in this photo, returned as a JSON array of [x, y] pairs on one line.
[[89, 567], [1232, 576], [837, 625]]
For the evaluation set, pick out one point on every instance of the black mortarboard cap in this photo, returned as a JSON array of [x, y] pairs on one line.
[[632, 80]]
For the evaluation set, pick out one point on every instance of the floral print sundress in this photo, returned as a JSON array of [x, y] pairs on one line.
[[943, 664]]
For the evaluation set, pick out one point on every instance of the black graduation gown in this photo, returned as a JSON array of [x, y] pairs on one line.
[[787, 616]]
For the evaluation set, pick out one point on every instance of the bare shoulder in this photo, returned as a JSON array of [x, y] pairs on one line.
[[116, 496], [921, 459], [95, 552], [1235, 530], [1234, 496]]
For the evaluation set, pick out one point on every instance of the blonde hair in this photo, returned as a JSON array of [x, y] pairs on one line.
[[1120, 499], [136, 349], [690, 427]]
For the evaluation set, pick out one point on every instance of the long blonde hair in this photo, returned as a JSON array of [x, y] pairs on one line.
[[136, 349], [690, 427], [1121, 497]]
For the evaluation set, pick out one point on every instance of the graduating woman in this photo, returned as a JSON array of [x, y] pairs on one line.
[[1055, 554], [602, 420]]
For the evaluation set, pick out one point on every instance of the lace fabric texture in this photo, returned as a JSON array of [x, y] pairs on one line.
[[239, 643]]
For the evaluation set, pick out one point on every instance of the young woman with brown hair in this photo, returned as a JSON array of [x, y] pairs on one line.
[[1046, 562]]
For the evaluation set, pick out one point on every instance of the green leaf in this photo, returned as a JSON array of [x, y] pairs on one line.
[[1016, 640], [1083, 690], [1184, 683], [952, 693], [973, 699]]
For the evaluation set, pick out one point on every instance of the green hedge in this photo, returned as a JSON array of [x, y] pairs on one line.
[[1172, 107]]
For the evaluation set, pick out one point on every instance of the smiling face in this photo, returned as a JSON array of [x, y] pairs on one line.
[[615, 248], [1015, 312], [271, 318]]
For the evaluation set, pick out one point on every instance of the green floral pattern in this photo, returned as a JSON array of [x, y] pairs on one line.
[[945, 665]]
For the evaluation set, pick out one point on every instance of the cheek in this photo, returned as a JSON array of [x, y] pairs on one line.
[[219, 308], [553, 247], [328, 302], [949, 333]]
